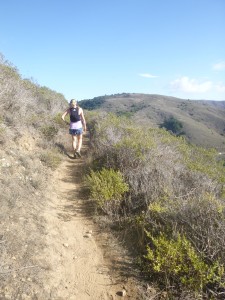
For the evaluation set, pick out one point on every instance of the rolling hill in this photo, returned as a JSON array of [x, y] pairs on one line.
[[203, 121]]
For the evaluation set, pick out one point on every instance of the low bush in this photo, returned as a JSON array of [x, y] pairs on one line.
[[58, 119], [177, 262], [49, 131], [107, 188], [175, 188], [173, 125], [51, 158]]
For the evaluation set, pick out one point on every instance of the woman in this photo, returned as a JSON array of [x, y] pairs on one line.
[[77, 125]]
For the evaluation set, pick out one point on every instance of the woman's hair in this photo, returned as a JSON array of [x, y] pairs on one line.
[[73, 102]]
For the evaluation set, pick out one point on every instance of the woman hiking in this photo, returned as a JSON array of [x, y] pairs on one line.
[[77, 126]]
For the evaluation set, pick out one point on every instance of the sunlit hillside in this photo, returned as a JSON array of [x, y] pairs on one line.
[[203, 121]]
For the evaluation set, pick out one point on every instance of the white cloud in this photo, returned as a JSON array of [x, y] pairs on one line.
[[146, 75], [220, 87], [188, 85], [219, 66]]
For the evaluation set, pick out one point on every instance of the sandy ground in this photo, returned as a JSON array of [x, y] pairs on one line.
[[52, 246], [79, 267]]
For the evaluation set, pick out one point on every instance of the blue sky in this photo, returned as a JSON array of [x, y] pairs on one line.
[[89, 48]]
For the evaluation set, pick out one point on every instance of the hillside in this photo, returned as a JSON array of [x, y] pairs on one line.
[[203, 121], [49, 245], [142, 212], [168, 196]]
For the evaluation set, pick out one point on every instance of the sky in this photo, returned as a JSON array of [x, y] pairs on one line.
[[89, 48]]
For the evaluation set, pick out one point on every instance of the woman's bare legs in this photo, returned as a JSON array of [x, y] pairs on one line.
[[79, 142], [74, 142]]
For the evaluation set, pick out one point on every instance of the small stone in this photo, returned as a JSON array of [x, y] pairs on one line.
[[164, 295], [122, 293], [66, 245], [88, 235]]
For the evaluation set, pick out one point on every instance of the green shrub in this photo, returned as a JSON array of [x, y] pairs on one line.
[[106, 188], [173, 125], [174, 187], [178, 263], [126, 114], [51, 159], [58, 119], [91, 104], [49, 132]]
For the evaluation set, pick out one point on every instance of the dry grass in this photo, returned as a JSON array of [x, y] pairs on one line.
[[24, 180]]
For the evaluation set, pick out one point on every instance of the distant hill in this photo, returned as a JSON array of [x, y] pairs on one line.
[[203, 121]]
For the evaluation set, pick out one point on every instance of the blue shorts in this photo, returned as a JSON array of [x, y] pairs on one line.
[[76, 131]]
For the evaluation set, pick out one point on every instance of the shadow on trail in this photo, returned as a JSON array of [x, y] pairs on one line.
[[79, 206], [64, 151], [76, 197]]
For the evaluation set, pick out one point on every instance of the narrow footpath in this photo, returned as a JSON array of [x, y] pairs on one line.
[[79, 268]]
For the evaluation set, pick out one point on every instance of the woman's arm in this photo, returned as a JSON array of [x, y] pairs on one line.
[[64, 115], [83, 119]]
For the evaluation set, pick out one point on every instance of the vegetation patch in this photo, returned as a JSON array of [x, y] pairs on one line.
[[51, 158], [91, 104], [177, 262], [173, 125], [174, 201], [107, 188], [49, 131]]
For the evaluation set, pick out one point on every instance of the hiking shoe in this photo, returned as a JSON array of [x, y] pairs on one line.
[[78, 153], [75, 154]]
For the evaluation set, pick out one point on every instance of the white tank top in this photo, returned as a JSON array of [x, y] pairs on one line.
[[76, 125]]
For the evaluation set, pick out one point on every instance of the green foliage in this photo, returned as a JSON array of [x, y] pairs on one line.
[[178, 263], [174, 188], [95, 103], [51, 158], [198, 216], [106, 187], [137, 107], [49, 131], [58, 119], [202, 160], [173, 125], [126, 114]]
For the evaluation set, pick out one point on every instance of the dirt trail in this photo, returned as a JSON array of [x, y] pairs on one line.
[[78, 270]]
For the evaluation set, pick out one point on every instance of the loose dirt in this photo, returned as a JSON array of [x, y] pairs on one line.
[[52, 246], [84, 262]]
